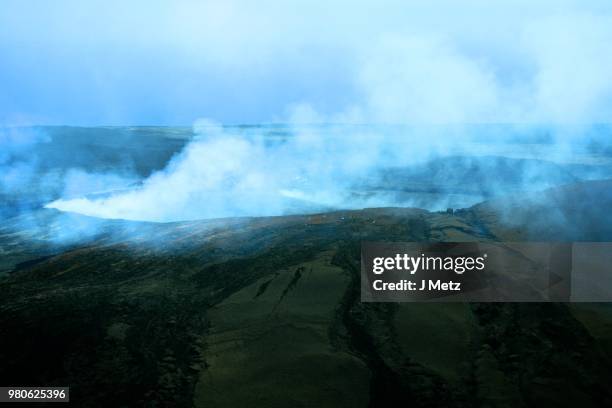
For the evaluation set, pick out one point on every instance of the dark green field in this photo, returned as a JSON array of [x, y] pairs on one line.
[[266, 312]]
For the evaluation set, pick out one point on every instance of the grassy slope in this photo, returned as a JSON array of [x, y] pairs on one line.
[[268, 310]]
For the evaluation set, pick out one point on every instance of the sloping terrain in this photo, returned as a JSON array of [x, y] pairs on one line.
[[267, 312]]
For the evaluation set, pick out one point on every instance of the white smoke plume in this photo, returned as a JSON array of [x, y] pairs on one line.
[[556, 71]]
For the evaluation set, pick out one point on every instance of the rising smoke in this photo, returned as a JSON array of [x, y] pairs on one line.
[[415, 90], [559, 73]]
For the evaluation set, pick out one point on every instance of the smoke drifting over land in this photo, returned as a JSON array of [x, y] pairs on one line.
[[561, 73], [223, 174], [552, 66], [226, 172]]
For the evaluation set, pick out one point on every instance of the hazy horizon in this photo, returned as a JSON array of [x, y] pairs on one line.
[[171, 63]]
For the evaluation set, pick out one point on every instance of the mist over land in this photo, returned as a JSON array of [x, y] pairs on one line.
[[173, 174]]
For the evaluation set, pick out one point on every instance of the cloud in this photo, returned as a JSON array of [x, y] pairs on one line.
[[572, 55], [559, 71], [426, 80], [116, 62]]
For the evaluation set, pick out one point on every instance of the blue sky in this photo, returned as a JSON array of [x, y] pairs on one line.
[[172, 62]]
